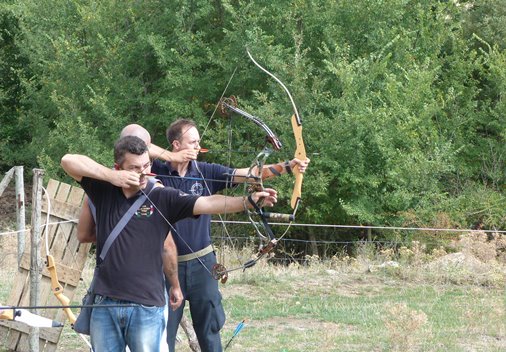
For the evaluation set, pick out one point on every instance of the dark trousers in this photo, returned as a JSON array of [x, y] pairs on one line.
[[202, 293]]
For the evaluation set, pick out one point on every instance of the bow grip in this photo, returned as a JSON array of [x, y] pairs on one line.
[[279, 216]]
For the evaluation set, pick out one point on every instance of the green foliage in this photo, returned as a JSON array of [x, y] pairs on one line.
[[15, 128], [402, 101]]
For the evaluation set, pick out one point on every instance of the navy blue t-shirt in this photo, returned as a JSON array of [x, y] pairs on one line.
[[196, 232], [133, 268]]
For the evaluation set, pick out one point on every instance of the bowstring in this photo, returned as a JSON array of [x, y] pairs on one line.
[[225, 234]]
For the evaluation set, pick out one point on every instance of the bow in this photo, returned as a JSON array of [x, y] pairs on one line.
[[56, 287], [254, 181], [228, 105], [300, 151]]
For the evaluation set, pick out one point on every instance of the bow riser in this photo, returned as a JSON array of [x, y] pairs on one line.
[[300, 153], [57, 288]]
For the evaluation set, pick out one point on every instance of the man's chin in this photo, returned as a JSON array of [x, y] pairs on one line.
[[143, 183]]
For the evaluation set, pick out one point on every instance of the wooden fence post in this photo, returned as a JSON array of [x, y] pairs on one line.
[[5, 180], [35, 257], [20, 211]]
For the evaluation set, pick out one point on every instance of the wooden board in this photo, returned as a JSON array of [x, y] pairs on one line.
[[70, 257]]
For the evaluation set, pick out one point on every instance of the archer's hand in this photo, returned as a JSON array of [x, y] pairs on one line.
[[268, 196], [125, 179], [184, 155], [175, 298], [301, 164]]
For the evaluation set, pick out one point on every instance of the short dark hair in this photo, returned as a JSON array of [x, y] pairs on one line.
[[177, 129], [128, 144]]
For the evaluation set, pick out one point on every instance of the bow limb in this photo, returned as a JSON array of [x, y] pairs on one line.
[[295, 111], [57, 288], [300, 152]]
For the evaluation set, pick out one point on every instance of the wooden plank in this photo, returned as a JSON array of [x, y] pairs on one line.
[[64, 238], [45, 333], [18, 292], [5, 333], [59, 241], [23, 343], [70, 257], [21, 281], [76, 196], [66, 274], [62, 209], [82, 255], [63, 192], [52, 187]]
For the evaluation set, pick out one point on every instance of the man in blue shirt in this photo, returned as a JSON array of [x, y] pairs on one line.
[[196, 257]]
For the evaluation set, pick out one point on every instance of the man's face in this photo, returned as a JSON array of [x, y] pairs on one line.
[[140, 164], [189, 140]]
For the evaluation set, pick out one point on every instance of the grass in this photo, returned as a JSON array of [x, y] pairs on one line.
[[355, 304], [317, 310]]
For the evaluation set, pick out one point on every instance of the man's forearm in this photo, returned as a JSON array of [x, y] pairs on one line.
[[169, 257], [268, 171], [86, 228], [156, 152], [219, 204], [79, 166]]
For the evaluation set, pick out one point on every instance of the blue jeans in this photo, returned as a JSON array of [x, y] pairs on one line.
[[139, 327]]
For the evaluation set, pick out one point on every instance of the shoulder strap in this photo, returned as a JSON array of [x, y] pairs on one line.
[[125, 219]]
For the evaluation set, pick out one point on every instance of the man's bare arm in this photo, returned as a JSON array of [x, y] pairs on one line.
[[169, 257], [86, 228], [156, 152], [78, 166], [279, 169], [219, 204]]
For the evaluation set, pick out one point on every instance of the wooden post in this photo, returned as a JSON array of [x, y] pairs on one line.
[[5, 180], [312, 242], [20, 211], [35, 257], [190, 334]]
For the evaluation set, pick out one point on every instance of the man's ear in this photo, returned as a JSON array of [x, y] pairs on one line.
[[176, 144], [116, 166]]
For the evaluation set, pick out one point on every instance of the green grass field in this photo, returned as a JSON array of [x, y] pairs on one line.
[[420, 302]]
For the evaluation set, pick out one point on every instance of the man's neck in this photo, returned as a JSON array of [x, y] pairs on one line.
[[181, 168], [130, 192]]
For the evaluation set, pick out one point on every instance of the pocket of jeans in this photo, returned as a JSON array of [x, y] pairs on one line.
[[148, 306], [219, 314]]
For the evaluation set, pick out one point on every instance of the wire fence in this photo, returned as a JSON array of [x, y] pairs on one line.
[[323, 240]]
